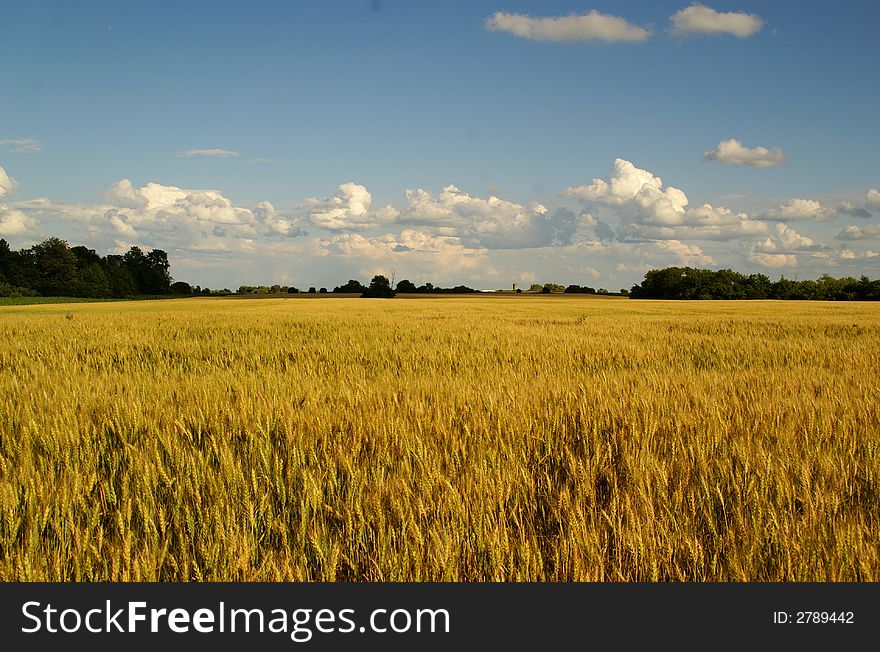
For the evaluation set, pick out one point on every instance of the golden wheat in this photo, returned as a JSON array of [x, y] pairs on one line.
[[521, 438]]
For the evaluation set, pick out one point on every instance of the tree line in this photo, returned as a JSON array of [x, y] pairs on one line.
[[693, 283], [379, 286], [54, 268]]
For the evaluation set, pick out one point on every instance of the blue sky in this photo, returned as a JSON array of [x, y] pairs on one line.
[[280, 104]]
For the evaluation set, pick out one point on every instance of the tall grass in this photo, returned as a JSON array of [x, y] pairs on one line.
[[459, 439]]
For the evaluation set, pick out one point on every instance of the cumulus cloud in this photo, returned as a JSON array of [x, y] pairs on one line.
[[732, 152], [194, 219], [637, 190], [7, 183], [156, 205], [799, 209], [14, 222], [212, 152], [414, 252], [792, 240], [852, 232], [348, 210], [21, 145], [592, 26], [872, 200], [773, 261], [699, 19], [629, 221], [649, 210], [275, 224], [686, 254], [849, 254], [786, 240], [43, 209], [491, 222], [124, 195]]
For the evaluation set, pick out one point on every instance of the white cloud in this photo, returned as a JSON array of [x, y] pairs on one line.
[[626, 182], [774, 261], [170, 216], [490, 222], [849, 254], [799, 209], [732, 152], [120, 224], [871, 231], [629, 222], [348, 210], [592, 26], [414, 253], [43, 209], [124, 195], [686, 254], [872, 200], [650, 210], [637, 193], [792, 240], [14, 222], [158, 206], [7, 183], [699, 19], [21, 145], [785, 240], [275, 224], [212, 152]]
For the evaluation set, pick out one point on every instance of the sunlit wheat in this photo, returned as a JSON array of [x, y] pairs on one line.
[[440, 439]]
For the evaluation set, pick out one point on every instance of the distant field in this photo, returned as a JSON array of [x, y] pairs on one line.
[[29, 301], [454, 438]]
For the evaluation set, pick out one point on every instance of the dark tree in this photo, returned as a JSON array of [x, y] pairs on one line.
[[182, 288], [122, 283], [352, 287], [580, 289], [380, 288], [56, 267], [150, 271], [92, 282], [689, 283]]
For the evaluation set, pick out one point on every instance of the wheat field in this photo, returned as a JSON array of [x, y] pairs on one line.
[[461, 439]]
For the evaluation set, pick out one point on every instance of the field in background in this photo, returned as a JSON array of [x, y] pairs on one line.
[[453, 439]]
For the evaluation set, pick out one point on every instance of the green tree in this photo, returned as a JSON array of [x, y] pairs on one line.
[[55, 266]]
